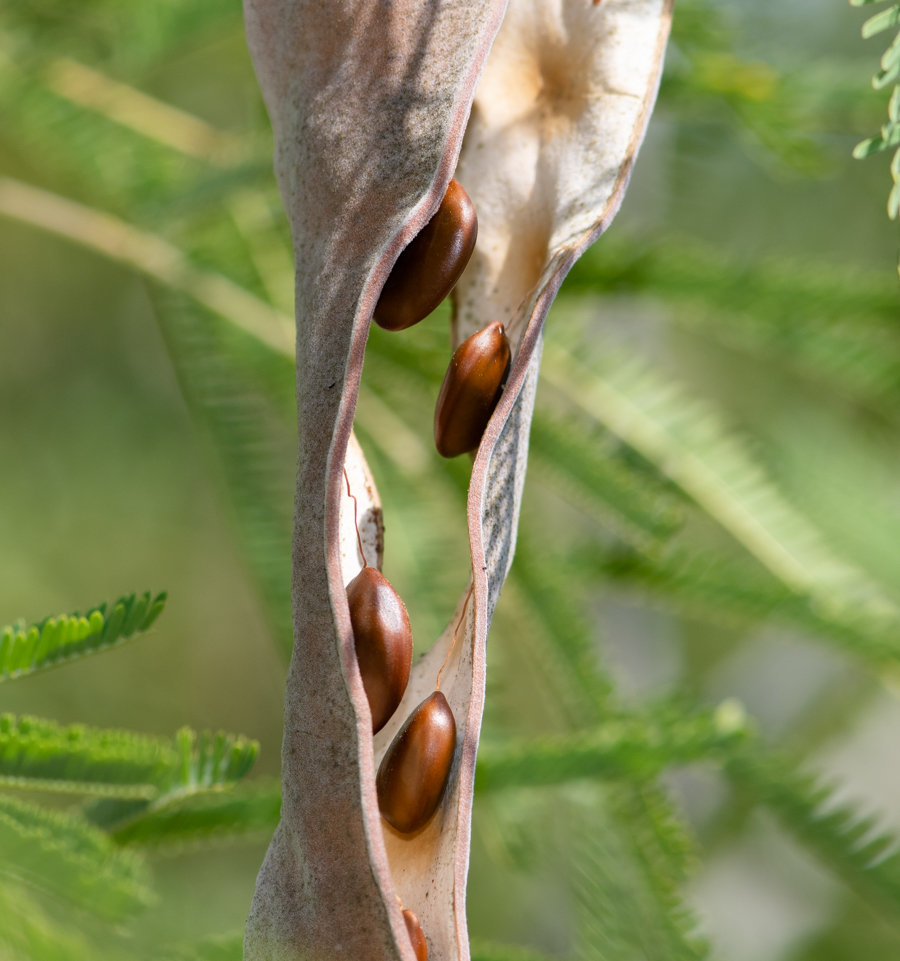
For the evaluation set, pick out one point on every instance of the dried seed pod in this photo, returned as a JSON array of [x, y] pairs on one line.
[[383, 639], [430, 266], [416, 935], [470, 391], [369, 114], [415, 768]]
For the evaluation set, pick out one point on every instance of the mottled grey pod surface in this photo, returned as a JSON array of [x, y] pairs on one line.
[[370, 102]]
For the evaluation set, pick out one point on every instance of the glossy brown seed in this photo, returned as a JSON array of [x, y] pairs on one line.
[[430, 266], [416, 935], [471, 389], [415, 768], [383, 639]]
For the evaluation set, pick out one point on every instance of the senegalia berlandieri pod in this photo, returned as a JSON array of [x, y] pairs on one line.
[[538, 109]]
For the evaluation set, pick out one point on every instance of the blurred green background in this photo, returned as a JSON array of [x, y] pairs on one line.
[[108, 484]]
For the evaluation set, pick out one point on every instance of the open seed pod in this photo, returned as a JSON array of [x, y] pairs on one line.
[[370, 105]]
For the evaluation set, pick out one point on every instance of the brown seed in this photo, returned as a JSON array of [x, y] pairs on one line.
[[430, 266], [415, 768], [383, 639], [471, 389], [416, 935]]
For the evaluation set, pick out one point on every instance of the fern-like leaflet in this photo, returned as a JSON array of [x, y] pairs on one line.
[[889, 136], [53, 641]]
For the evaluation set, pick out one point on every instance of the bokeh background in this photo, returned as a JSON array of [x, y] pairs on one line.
[[109, 484]]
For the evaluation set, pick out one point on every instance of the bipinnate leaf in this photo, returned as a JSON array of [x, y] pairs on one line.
[[688, 441], [369, 113], [248, 809], [56, 640], [848, 842], [125, 770], [630, 747], [198, 763], [41, 755]]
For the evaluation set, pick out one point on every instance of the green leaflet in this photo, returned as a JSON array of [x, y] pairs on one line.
[[626, 907], [68, 857], [630, 747], [866, 860], [563, 642], [889, 138], [202, 762], [237, 389], [53, 641], [42, 755], [251, 808], [633, 503], [27, 931], [833, 324], [688, 442], [729, 590]]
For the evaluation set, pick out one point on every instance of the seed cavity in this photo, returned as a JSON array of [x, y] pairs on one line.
[[471, 390], [430, 266]]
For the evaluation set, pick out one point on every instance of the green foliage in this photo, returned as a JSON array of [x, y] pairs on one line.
[[41, 755], [64, 855], [728, 590], [889, 137], [200, 763], [491, 951], [28, 931], [53, 641], [630, 747], [621, 883], [688, 441], [239, 391], [69, 858], [629, 501], [229, 947], [849, 843], [831, 324], [249, 809], [635, 483]]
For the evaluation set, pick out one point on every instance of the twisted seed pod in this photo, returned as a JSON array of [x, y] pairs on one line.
[[470, 391], [369, 113], [430, 266], [383, 640], [416, 935], [415, 768]]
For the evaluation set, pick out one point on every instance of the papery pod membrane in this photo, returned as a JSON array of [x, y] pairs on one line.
[[369, 102]]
